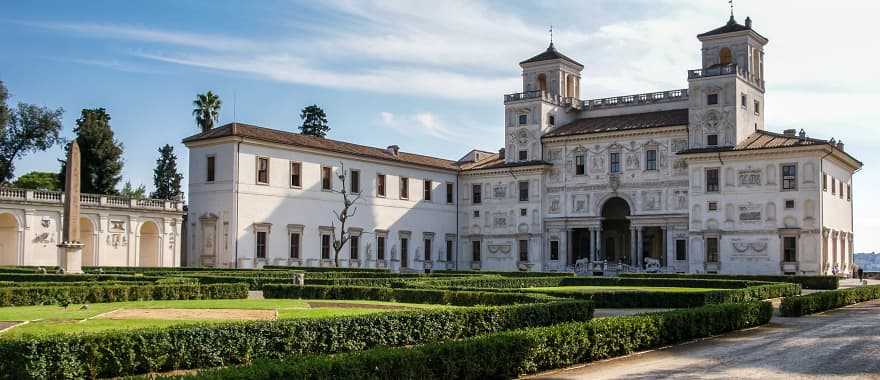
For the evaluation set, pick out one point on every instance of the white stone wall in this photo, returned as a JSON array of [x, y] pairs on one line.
[[837, 217]]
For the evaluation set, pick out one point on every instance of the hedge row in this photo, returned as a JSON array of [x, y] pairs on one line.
[[832, 299], [37, 277], [45, 295], [504, 274], [429, 296], [806, 282], [528, 282], [128, 352], [511, 354]]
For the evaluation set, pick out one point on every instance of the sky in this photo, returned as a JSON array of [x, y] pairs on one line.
[[427, 76]]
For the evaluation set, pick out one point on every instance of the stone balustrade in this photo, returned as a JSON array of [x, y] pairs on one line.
[[96, 200], [637, 99], [558, 100], [730, 69]]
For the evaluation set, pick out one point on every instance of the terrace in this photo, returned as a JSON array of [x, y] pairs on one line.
[[89, 200]]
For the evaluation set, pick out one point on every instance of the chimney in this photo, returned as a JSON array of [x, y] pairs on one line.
[[393, 150], [840, 145], [501, 153], [748, 22], [789, 132], [802, 134]]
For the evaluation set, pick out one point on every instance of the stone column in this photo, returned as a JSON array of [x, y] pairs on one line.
[[665, 260], [593, 255], [641, 251], [634, 247]]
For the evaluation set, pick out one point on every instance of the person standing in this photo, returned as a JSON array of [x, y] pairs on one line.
[[861, 274]]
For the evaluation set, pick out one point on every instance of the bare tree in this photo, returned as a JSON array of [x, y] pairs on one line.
[[348, 210]]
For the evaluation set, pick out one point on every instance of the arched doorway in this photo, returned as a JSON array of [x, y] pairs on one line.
[[615, 230], [148, 245], [542, 82], [8, 239], [87, 238]]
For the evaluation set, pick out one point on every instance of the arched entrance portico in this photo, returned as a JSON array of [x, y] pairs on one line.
[[148, 245], [8, 239], [87, 238], [616, 233]]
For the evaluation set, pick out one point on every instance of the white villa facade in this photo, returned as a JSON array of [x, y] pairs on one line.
[[686, 180], [115, 231]]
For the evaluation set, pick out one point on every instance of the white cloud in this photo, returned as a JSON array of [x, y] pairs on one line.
[[420, 124]]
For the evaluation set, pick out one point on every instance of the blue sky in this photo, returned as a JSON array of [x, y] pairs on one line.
[[428, 76]]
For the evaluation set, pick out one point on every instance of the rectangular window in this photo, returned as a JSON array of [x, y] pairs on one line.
[[450, 246], [380, 185], [824, 182], [522, 212], [523, 250], [294, 245], [712, 140], [615, 162], [848, 192], [523, 155], [427, 249], [380, 248], [841, 189], [326, 178], [296, 174], [712, 250], [744, 101], [681, 250], [713, 206], [404, 252], [524, 191], [450, 193], [404, 188], [789, 249], [476, 213], [261, 244], [554, 250], [475, 250], [477, 192], [428, 187], [355, 181], [712, 180], [712, 99], [789, 203], [523, 119], [263, 170], [551, 120], [833, 186], [580, 167], [209, 177], [325, 247], [651, 159], [789, 177], [354, 247], [757, 107]]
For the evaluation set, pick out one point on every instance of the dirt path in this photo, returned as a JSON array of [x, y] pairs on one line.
[[840, 344], [195, 314]]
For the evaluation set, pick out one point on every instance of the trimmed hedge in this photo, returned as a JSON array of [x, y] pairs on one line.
[[22, 296], [806, 282], [832, 299], [127, 352], [529, 282], [511, 354], [429, 296], [503, 274], [36, 277]]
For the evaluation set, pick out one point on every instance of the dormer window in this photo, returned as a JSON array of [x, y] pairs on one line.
[[712, 140], [712, 99], [523, 119]]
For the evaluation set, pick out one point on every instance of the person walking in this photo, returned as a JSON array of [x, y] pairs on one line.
[[861, 274]]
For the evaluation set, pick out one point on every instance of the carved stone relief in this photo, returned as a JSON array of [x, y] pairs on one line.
[[749, 213], [749, 178], [652, 200]]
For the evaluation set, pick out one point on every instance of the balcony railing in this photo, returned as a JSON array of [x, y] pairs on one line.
[[95, 200], [637, 99], [559, 100], [729, 69]]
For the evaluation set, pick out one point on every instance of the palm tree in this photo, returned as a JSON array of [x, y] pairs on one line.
[[206, 110]]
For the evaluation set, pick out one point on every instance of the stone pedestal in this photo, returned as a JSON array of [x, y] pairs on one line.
[[71, 257]]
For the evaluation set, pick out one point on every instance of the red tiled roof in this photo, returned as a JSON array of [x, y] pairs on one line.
[[622, 122], [761, 139], [497, 162], [296, 139]]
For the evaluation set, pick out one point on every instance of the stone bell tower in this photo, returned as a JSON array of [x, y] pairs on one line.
[[727, 93], [549, 98]]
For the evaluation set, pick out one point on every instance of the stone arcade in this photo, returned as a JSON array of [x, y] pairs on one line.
[[686, 180]]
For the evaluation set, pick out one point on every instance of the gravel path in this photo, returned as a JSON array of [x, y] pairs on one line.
[[839, 344]]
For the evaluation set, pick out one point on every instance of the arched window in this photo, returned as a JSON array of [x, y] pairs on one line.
[[569, 86], [725, 56], [542, 82]]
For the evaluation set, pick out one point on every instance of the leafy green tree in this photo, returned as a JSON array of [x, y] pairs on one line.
[[166, 178], [100, 153], [24, 129], [130, 191], [38, 181], [206, 110], [314, 121]]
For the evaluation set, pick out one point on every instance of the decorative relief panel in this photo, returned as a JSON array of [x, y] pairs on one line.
[[652, 200], [749, 213], [579, 203], [749, 250], [749, 178], [553, 207]]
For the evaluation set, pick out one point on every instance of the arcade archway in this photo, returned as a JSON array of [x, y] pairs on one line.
[[616, 231], [87, 238], [148, 245], [8, 239]]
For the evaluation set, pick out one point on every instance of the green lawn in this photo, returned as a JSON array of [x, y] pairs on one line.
[[55, 319], [609, 289]]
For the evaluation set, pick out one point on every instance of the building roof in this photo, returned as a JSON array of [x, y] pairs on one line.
[[295, 139], [550, 54], [731, 27], [622, 122], [761, 139], [495, 161]]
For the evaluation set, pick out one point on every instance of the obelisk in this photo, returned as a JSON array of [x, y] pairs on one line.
[[71, 247]]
